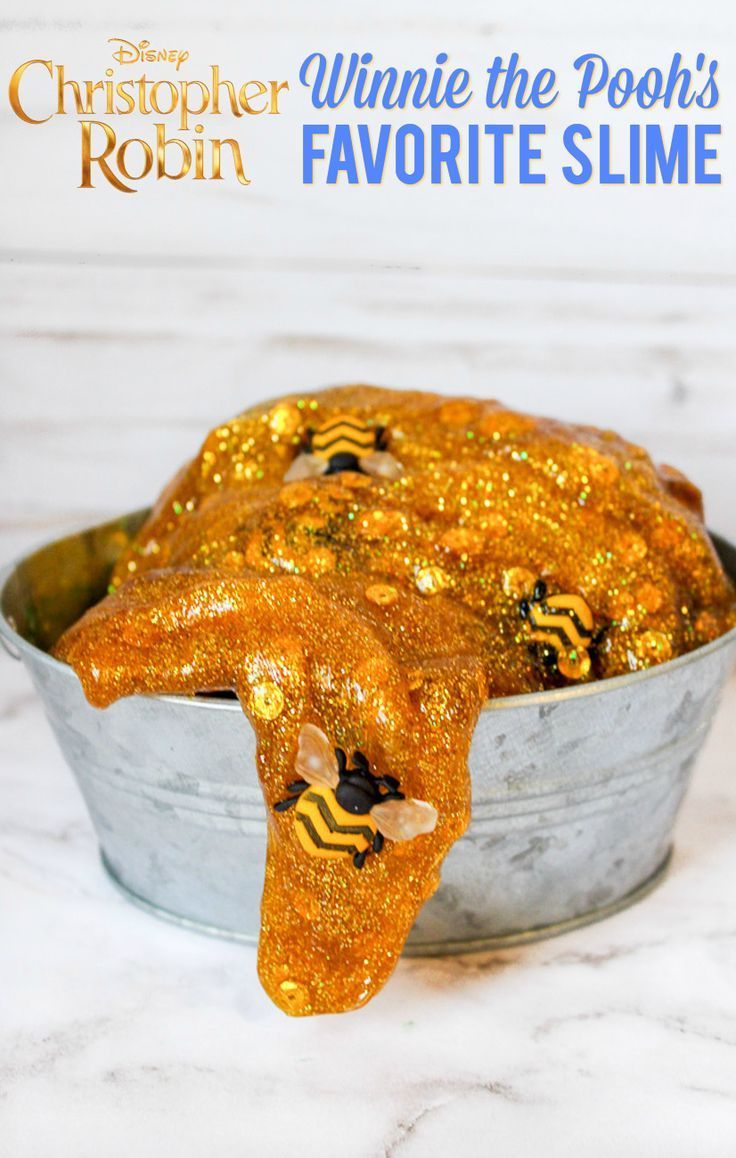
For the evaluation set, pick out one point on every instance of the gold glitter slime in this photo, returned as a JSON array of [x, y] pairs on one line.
[[386, 612]]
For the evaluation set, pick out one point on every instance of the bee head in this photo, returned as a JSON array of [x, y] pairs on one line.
[[359, 789], [344, 461]]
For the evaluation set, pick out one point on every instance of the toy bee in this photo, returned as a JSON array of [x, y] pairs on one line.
[[345, 443], [562, 627], [343, 811]]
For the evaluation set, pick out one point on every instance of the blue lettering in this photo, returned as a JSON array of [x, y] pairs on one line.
[[703, 154], [659, 159], [342, 156], [594, 78], [405, 133], [445, 155], [527, 154], [607, 177], [327, 94], [499, 134], [310, 153], [374, 163], [585, 172]]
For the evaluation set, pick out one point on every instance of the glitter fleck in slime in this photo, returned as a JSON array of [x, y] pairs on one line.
[[383, 608]]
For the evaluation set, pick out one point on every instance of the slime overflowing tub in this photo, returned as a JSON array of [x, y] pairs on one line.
[[575, 790]]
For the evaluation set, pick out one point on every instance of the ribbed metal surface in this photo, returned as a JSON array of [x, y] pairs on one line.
[[575, 792]]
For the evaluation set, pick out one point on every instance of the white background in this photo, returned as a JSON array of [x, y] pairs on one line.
[[130, 325]]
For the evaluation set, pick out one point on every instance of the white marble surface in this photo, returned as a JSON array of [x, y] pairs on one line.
[[131, 325], [121, 1035]]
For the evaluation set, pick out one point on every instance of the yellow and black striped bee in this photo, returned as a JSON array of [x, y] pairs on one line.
[[343, 811], [345, 443], [562, 628]]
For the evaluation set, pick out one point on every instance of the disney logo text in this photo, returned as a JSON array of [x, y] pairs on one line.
[[129, 53]]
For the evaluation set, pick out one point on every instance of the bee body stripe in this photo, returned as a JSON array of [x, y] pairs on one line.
[[575, 606], [563, 626], [565, 622], [559, 642], [343, 435], [327, 830], [312, 842], [327, 813]]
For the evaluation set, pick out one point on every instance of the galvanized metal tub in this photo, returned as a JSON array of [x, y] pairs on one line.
[[575, 792]]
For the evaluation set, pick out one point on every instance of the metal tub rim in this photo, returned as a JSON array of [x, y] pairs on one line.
[[16, 645]]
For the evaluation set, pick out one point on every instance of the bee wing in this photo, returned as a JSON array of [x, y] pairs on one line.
[[381, 464], [404, 819], [315, 759], [305, 466]]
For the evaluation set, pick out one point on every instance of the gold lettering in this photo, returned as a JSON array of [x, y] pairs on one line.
[[106, 156], [198, 156], [142, 82], [246, 101], [237, 160], [61, 84], [276, 86], [127, 98], [14, 91], [188, 110], [101, 160], [162, 143], [147, 158], [92, 87], [173, 96], [229, 87]]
